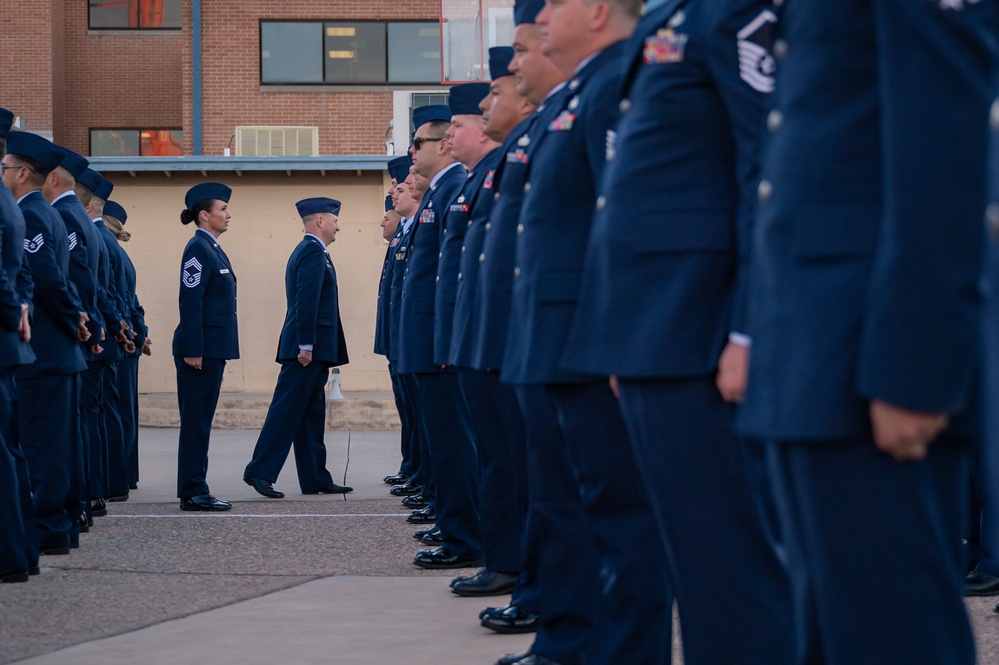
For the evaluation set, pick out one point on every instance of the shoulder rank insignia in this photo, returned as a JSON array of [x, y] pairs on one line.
[[563, 122], [488, 182], [191, 274], [664, 47], [72, 240], [33, 245]]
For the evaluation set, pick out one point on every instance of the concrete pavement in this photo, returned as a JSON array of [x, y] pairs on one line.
[[297, 580]]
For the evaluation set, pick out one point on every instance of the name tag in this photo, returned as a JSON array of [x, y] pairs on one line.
[[224, 271]]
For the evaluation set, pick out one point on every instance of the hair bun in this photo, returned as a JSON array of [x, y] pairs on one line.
[[186, 216]]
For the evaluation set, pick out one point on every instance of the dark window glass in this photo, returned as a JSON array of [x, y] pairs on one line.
[[290, 53], [135, 14], [355, 52], [136, 142], [345, 53], [414, 53]]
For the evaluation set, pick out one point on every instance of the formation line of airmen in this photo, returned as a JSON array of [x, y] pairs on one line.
[[684, 306], [71, 333]]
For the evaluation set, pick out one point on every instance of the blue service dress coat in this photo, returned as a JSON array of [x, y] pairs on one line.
[[452, 269], [207, 327], [495, 283], [383, 316], [84, 257], [56, 312], [670, 238], [478, 197], [419, 287], [18, 542], [556, 215], [313, 316], [864, 285]]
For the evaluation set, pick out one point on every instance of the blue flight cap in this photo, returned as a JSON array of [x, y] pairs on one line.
[[6, 122], [114, 209], [206, 190], [499, 61], [73, 162], [388, 203], [398, 168], [90, 179], [104, 189], [36, 147], [464, 98], [424, 114], [525, 11], [317, 204]]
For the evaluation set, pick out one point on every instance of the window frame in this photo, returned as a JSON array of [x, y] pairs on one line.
[[139, 130], [126, 28], [343, 84]]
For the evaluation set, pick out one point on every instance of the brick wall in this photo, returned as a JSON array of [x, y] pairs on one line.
[[116, 79], [26, 61], [349, 122]]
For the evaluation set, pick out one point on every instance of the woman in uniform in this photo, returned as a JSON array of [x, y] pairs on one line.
[[205, 338]]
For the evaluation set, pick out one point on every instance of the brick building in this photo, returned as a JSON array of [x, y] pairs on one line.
[[278, 98]]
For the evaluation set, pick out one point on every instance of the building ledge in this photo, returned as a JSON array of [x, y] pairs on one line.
[[207, 165]]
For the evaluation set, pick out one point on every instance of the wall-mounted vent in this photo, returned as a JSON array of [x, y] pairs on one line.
[[277, 141]]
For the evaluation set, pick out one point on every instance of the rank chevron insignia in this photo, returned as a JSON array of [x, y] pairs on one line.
[[191, 274], [33, 245], [72, 240]]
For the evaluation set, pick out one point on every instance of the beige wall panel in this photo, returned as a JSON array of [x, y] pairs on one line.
[[262, 234]]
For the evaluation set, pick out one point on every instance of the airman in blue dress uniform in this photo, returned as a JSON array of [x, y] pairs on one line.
[[864, 317], [91, 395], [205, 338], [586, 41], [662, 273], [18, 543], [47, 389], [312, 341], [989, 461], [398, 169], [442, 407], [114, 218], [562, 613]]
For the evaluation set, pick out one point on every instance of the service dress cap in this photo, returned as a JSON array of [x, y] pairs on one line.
[[317, 204], [424, 114], [204, 191], [464, 98], [398, 168], [35, 147], [499, 61], [114, 209]]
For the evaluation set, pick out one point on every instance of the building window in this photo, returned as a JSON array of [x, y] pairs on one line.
[[134, 14], [136, 143], [349, 53]]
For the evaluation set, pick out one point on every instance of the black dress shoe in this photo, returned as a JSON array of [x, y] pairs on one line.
[[485, 583], [53, 551], [511, 620], [423, 516], [133, 486], [34, 570], [462, 578], [489, 611], [332, 489], [263, 487], [98, 508], [398, 479], [416, 501], [433, 538], [405, 490], [442, 559], [980, 583], [116, 498], [522, 658], [13, 576], [205, 502]]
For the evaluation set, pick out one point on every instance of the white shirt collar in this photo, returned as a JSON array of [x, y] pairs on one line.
[[27, 195], [440, 174], [68, 192], [319, 240], [211, 238]]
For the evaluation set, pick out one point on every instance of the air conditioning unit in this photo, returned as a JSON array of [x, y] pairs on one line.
[[277, 141]]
